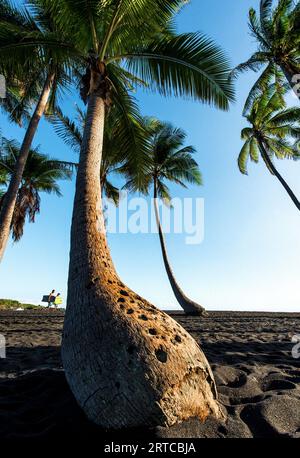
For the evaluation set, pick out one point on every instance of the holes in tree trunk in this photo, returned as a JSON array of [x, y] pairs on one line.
[[178, 338], [121, 299], [143, 317], [152, 331], [123, 292], [161, 355], [91, 283], [130, 311]]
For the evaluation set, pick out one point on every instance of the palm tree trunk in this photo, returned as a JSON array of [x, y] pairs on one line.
[[127, 363], [275, 172], [293, 78], [7, 209], [190, 307]]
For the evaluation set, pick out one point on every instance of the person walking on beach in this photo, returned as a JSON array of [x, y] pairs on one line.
[[51, 298], [57, 300]]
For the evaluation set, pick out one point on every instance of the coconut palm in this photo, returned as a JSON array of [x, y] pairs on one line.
[[128, 363], [41, 174], [168, 160], [272, 129], [277, 32], [35, 76]]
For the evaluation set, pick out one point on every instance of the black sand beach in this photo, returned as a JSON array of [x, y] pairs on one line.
[[250, 353]]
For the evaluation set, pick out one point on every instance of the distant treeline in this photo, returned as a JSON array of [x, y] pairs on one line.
[[6, 304]]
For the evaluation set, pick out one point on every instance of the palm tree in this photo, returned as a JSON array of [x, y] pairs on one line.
[[41, 174], [128, 363], [272, 128], [168, 160], [277, 32], [39, 74]]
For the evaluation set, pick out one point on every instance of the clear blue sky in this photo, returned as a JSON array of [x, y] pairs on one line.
[[249, 259]]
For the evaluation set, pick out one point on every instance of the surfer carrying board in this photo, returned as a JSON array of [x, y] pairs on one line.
[[57, 300], [51, 298]]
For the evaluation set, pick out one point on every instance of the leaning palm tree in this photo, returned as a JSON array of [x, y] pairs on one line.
[[41, 174], [128, 363], [36, 76], [168, 160], [277, 32], [272, 129]]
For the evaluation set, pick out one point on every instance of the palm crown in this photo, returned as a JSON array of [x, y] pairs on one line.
[[120, 40], [277, 32], [168, 159], [117, 40], [273, 126], [23, 33], [41, 174]]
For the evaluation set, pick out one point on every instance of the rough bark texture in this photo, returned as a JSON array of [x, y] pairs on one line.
[[9, 201], [127, 363], [275, 172], [190, 307]]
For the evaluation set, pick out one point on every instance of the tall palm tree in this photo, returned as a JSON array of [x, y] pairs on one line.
[[128, 363], [41, 174], [39, 74], [168, 160], [277, 32], [272, 129]]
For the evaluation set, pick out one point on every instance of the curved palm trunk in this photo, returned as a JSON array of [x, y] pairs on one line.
[[293, 78], [275, 172], [190, 307], [8, 205], [127, 363]]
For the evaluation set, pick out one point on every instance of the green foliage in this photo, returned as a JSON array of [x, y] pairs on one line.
[[9, 304], [168, 159], [273, 126], [276, 30], [41, 174], [123, 130], [28, 52], [61, 35]]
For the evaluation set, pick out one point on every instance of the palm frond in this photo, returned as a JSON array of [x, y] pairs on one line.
[[66, 129], [243, 157], [188, 65]]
